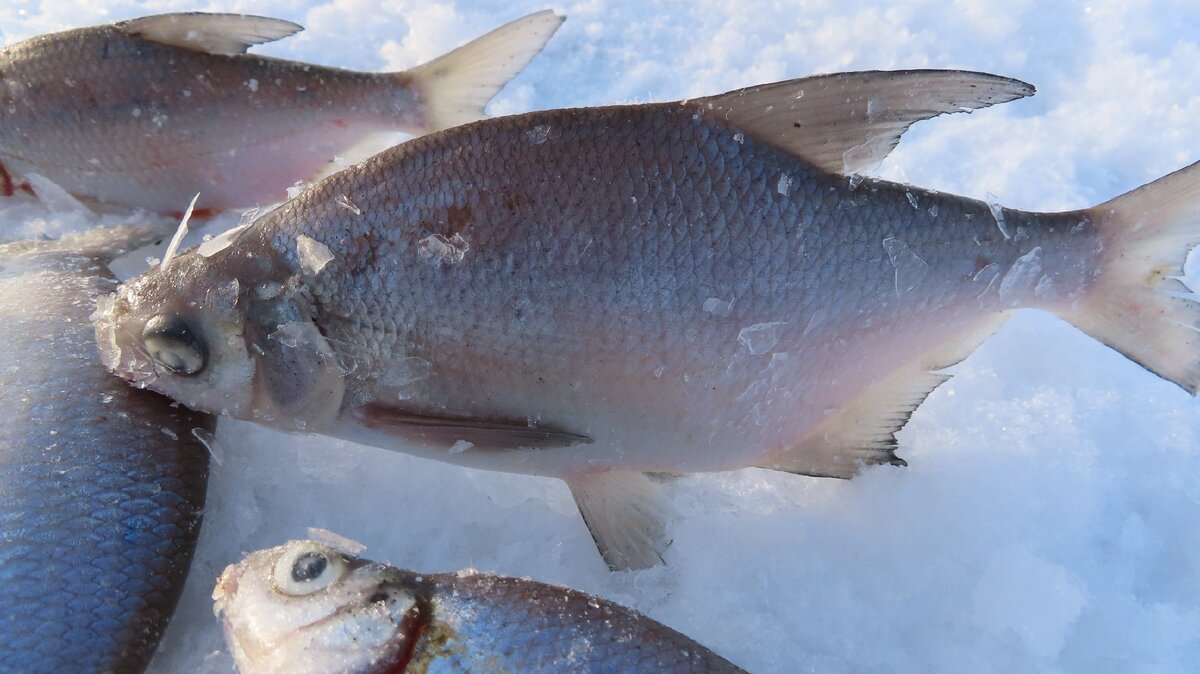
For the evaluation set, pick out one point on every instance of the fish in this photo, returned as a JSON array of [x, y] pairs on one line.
[[307, 606], [102, 485], [146, 112], [613, 296]]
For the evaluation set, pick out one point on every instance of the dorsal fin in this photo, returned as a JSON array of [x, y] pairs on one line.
[[226, 34], [847, 122]]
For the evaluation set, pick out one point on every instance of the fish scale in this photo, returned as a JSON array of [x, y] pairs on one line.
[[101, 485], [531, 627]]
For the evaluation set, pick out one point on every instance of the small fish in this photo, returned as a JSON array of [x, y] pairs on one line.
[[101, 485], [306, 607], [598, 294], [147, 112]]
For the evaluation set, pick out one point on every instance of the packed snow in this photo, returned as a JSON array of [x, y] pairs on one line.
[[1047, 520]]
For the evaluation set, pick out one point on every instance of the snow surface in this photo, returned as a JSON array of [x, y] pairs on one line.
[[1048, 518]]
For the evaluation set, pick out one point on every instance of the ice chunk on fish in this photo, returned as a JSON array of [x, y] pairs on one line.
[[312, 607], [101, 484], [577, 338], [79, 108]]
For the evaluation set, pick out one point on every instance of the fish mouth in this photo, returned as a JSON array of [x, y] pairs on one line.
[[226, 587], [112, 341], [223, 595]]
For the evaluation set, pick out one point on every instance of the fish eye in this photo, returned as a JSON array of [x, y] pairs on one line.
[[307, 569], [173, 345]]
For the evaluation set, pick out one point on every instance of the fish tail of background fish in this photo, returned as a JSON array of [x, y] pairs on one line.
[[1140, 304], [455, 87]]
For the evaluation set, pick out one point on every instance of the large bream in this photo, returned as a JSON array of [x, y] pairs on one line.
[[597, 294]]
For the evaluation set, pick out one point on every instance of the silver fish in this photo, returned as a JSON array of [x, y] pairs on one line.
[[307, 608], [101, 485], [598, 294], [149, 111]]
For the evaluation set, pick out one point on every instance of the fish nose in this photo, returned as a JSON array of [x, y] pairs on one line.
[[227, 584]]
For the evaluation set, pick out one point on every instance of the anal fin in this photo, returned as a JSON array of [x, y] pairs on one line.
[[863, 432], [626, 513]]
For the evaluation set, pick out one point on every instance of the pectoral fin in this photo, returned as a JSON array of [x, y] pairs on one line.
[[626, 513], [847, 122], [226, 34], [447, 431]]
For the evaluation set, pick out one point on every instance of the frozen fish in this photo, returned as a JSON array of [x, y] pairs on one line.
[[101, 485], [147, 112], [305, 607], [598, 294]]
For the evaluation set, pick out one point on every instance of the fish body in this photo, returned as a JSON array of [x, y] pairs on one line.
[[305, 607], [101, 485], [148, 112], [668, 288]]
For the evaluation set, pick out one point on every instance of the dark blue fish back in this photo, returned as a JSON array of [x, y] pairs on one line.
[[101, 485]]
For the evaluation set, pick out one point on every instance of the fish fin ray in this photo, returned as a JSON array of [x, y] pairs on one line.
[[102, 243], [848, 122], [482, 434], [226, 34], [455, 87], [1140, 306], [626, 513], [863, 432]]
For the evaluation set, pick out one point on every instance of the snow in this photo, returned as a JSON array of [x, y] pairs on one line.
[[1047, 518]]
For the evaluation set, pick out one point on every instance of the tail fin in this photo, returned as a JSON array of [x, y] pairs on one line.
[[455, 87], [1142, 307]]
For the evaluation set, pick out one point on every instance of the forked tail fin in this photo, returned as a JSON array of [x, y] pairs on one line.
[[1141, 307], [455, 87]]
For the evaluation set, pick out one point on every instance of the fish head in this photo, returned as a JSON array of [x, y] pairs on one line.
[[219, 335], [290, 608]]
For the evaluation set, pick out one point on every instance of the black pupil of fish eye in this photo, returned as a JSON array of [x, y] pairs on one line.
[[309, 566]]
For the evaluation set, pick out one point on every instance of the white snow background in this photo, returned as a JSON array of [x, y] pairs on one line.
[[1049, 518]]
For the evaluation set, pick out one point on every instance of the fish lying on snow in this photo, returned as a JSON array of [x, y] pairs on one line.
[[148, 112], [101, 485], [306, 607], [595, 294]]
